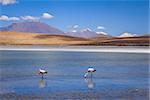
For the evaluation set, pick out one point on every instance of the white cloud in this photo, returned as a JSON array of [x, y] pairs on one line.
[[27, 18], [75, 26], [7, 2], [127, 35], [6, 18], [100, 27], [47, 16], [30, 18]]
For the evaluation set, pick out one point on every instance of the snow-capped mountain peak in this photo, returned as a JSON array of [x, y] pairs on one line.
[[86, 29], [103, 33], [74, 31], [126, 34]]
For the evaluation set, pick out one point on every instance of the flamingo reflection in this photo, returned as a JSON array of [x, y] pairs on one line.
[[90, 83], [42, 83]]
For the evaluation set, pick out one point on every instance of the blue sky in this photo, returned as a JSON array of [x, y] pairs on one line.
[[115, 16]]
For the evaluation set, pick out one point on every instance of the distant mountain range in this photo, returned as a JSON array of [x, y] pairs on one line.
[[86, 33], [37, 33], [39, 27], [42, 28]]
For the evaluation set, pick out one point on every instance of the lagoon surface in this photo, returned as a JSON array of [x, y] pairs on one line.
[[118, 75]]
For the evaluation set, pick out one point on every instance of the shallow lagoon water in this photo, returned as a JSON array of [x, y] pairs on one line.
[[116, 72]]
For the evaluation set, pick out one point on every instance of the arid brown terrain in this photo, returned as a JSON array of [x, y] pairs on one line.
[[124, 41], [18, 38]]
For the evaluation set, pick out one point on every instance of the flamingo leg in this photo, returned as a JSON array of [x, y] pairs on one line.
[[91, 75], [42, 76]]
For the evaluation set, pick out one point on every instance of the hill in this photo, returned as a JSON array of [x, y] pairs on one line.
[[31, 27], [19, 38], [124, 41]]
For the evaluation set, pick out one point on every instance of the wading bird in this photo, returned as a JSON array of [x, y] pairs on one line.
[[90, 70], [42, 72]]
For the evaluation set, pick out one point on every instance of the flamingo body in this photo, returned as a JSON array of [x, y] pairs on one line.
[[41, 71], [91, 69]]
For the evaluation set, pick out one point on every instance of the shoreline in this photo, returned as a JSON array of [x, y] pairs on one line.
[[113, 49], [90, 94]]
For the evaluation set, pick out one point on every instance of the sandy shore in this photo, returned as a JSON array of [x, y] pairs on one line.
[[127, 94], [78, 49]]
